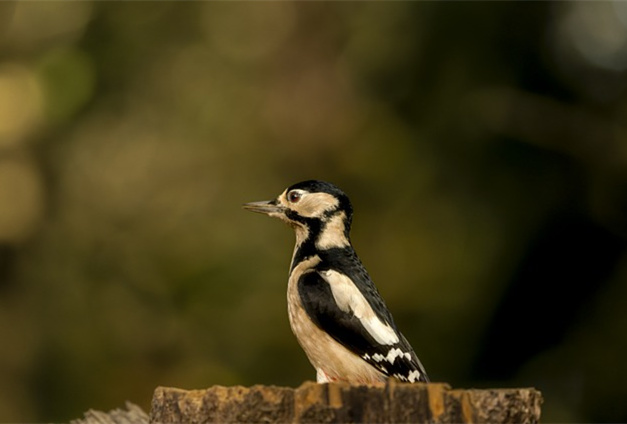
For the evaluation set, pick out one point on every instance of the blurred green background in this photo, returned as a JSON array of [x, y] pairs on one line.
[[484, 146]]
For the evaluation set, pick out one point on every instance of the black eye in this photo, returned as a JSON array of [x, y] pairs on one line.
[[293, 196]]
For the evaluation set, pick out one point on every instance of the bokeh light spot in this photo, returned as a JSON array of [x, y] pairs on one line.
[[21, 197], [20, 104]]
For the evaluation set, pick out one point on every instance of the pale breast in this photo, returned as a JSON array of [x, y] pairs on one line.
[[324, 353]]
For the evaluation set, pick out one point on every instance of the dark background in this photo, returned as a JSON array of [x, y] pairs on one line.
[[484, 146]]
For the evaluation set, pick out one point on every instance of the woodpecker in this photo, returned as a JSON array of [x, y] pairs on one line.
[[335, 311]]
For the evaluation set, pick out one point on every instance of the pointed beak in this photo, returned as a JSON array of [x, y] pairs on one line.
[[266, 207]]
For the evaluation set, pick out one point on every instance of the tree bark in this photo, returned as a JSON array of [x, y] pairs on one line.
[[338, 402]]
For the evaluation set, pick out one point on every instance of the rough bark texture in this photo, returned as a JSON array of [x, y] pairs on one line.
[[337, 402]]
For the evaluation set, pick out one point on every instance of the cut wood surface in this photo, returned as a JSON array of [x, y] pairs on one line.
[[343, 403]]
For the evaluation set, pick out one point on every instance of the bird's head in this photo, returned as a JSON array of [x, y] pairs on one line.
[[315, 209]]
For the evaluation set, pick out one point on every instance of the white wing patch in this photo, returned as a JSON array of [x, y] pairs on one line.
[[390, 357], [349, 299], [413, 376]]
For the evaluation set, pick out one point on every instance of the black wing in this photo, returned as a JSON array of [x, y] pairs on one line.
[[396, 359]]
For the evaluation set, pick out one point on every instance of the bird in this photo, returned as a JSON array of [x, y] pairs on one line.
[[335, 311]]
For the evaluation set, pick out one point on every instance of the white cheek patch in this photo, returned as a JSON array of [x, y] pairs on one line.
[[349, 299], [314, 205], [333, 233]]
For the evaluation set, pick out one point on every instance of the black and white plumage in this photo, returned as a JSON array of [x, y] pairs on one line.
[[335, 310]]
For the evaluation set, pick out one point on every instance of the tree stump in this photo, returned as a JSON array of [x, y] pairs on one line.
[[338, 402]]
